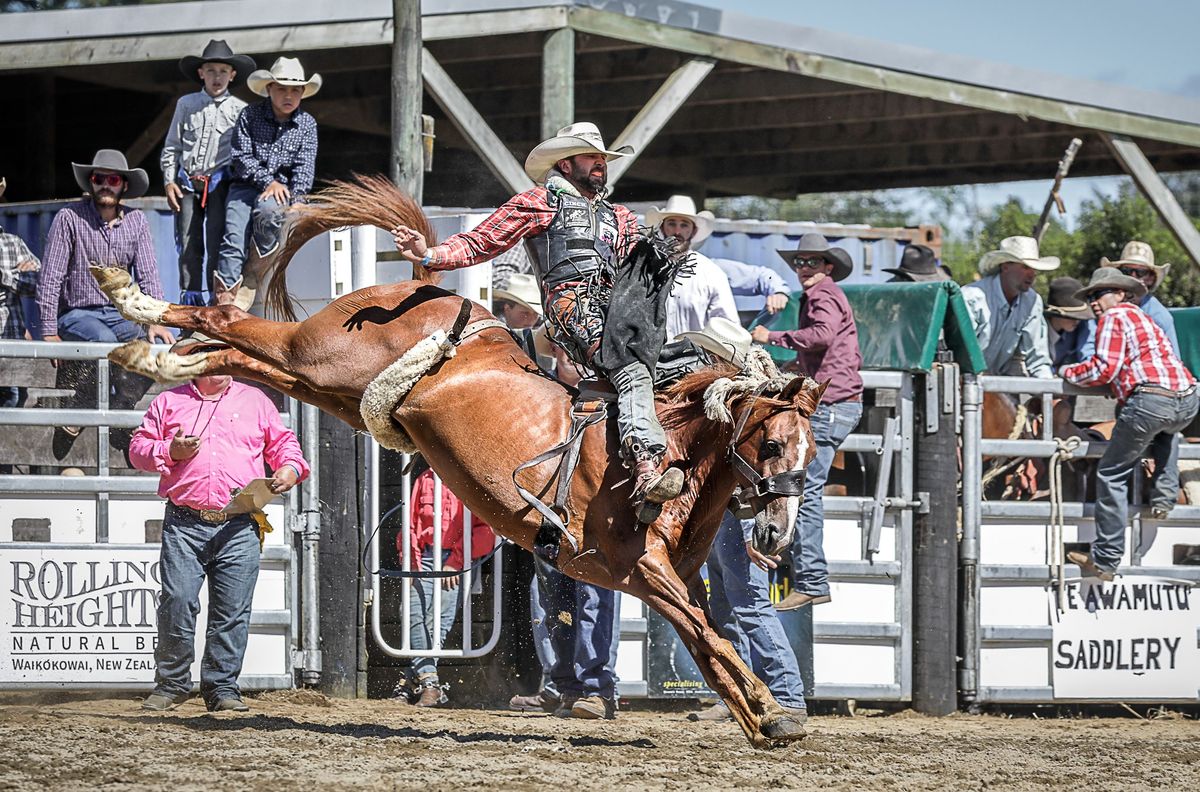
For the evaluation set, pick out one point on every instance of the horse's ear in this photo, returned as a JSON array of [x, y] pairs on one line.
[[805, 394], [793, 389]]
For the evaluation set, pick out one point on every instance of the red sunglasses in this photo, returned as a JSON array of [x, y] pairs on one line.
[[106, 179]]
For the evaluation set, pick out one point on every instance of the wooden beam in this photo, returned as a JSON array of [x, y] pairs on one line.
[[656, 113], [558, 81], [1157, 193], [407, 160], [483, 140], [151, 137]]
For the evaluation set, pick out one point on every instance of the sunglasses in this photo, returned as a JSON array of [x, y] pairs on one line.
[[106, 179], [1137, 272], [808, 262], [1096, 295]]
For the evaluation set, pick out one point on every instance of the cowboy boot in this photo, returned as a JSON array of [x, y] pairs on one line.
[[651, 489]]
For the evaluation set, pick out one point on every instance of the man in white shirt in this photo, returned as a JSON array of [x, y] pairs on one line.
[[705, 293]]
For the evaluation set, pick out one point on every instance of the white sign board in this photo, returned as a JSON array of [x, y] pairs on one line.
[[1132, 638], [78, 614]]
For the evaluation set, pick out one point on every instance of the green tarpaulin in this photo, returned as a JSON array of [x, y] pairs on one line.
[[898, 325], [1187, 329]]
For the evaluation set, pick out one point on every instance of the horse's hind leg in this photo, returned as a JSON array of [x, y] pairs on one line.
[[764, 722]]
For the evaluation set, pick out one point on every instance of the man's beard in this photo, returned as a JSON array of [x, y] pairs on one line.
[[588, 181], [104, 198]]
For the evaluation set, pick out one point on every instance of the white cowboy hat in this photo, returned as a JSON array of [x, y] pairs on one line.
[[683, 206], [580, 138], [723, 337], [1017, 248], [285, 71], [1139, 254], [522, 289]]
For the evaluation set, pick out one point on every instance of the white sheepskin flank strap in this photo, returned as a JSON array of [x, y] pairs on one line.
[[393, 383], [759, 369]]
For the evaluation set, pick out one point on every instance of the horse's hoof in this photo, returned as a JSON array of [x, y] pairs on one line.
[[782, 729], [164, 367], [110, 278]]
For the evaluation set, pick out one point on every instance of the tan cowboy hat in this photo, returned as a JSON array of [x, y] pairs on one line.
[[579, 138], [137, 182], [723, 337], [1017, 248], [814, 244], [522, 289], [1139, 254], [285, 71], [1111, 278], [683, 206]]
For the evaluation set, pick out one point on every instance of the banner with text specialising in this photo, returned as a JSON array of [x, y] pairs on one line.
[[1132, 638], [69, 614]]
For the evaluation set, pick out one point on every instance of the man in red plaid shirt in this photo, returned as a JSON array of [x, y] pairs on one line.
[[1157, 398]]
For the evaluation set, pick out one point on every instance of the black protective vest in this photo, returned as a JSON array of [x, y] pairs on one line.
[[580, 241]]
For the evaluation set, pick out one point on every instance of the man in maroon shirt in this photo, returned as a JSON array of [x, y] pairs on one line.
[[827, 342]]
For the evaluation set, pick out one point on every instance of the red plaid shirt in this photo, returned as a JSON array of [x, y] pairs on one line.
[[1131, 350], [523, 215]]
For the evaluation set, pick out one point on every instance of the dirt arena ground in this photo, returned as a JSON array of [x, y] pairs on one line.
[[300, 740]]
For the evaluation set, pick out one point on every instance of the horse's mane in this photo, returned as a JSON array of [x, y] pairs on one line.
[[686, 398], [366, 200]]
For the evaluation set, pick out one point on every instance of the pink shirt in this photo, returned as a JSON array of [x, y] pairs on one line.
[[238, 431]]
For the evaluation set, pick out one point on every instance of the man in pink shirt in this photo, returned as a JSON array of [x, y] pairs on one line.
[[206, 439]]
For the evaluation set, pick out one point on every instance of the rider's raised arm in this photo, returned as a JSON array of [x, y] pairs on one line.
[[522, 215]]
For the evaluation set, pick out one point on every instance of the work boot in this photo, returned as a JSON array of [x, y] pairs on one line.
[[716, 713], [62, 440], [432, 694], [563, 710], [594, 708], [1088, 564], [160, 702], [542, 701], [796, 600], [229, 704]]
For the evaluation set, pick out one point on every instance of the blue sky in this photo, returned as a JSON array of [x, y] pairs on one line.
[[1149, 45]]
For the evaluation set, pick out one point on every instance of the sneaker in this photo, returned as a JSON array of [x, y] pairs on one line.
[[1088, 564], [159, 702], [432, 694], [594, 708], [796, 601], [229, 704], [717, 712], [542, 701]]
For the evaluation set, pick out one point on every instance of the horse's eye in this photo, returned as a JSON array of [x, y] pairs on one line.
[[771, 449]]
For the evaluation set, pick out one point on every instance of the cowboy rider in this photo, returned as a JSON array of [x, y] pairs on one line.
[[1137, 261], [577, 239]]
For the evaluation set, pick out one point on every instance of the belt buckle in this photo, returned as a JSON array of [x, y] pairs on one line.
[[212, 516]]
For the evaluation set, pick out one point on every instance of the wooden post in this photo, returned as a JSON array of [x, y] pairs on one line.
[[558, 81], [339, 554], [1130, 155], [407, 93]]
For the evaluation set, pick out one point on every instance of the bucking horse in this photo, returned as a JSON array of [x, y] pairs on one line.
[[424, 369]]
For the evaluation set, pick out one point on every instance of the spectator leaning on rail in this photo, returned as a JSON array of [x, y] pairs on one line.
[[206, 439], [195, 163], [97, 230], [1070, 323], [827, 340], [1007, 312], [1137, 261], [423, 682], [1157, 398], [738, 588], [705, 292], [274, 160]]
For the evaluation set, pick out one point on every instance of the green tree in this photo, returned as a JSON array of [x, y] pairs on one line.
[[1010, 218], [870, 208]]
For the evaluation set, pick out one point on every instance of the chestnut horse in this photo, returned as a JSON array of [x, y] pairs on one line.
[[477, 415]]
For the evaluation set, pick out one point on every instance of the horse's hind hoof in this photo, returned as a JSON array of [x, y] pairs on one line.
[[783, 729], [110, 279]]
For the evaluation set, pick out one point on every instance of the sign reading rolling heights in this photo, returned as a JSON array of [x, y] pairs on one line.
[[69, 614], [1133, 638]]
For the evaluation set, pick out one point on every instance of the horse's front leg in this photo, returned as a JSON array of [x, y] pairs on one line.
[[764, 722]]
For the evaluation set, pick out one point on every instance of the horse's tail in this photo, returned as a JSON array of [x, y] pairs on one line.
[[366, 200]]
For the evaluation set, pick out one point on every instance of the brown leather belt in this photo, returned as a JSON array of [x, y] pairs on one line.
[[211, 516], [1170, 394]]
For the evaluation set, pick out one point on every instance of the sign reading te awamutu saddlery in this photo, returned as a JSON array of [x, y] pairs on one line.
[[1132, 638], [78, 614]]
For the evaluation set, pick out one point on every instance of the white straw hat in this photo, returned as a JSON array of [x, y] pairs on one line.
[[725, 338], [683, 206], [523, 290], [581, 138], [285, 71], [1017, 248], [1139, 254]]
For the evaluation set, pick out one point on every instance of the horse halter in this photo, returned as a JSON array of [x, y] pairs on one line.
[[759, 490]]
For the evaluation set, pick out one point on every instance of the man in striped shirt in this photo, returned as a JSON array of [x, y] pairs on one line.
[[1157, 398]]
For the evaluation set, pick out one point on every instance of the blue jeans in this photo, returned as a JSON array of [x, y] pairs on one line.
[[198, 234], [581, 645], [247, 216], [741, 606], [830, 425], [100, 323], [1145, 421], [420, 615], [227, 554]]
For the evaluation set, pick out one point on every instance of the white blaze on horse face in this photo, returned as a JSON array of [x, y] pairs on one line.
[[793, 502]]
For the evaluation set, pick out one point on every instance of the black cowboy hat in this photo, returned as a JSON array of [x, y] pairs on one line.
[[1111, 278], [217, 51], [817, 245], [136, 180], [918, 263], [1061, 300]]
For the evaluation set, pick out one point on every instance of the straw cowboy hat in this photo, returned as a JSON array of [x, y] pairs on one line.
[[1017, 248], [285, 71], [1111, 278], [1061, 300], [108, 159], [522, 289], [217, 51], [814, 244], [683, 206], [918, 263], [1139, 254], [723, 337], [580, 138]]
